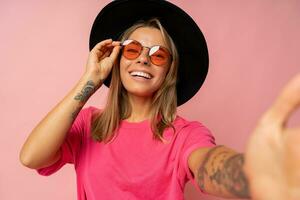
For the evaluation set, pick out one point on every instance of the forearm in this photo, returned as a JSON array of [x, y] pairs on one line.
[[222, 174]]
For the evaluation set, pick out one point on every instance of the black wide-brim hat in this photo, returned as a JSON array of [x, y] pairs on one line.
[[119, 15]]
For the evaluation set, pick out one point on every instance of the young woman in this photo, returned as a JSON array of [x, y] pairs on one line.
[[137, 147]]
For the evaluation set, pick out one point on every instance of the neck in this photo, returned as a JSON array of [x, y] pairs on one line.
[[141, 107]]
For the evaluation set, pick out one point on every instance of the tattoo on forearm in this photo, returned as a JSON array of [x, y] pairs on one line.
[[225, 171], [75, 113], [86, 92], [83, 96]]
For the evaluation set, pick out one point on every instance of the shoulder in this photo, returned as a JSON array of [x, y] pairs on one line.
[[88, 113], [186, 125], [192, 134], [198, 141], [92, 110]]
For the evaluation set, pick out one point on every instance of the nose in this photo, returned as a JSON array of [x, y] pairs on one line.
[[143, 57]]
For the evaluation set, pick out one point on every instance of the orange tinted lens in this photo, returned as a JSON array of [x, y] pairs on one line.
[[159, 55], [132, 50]]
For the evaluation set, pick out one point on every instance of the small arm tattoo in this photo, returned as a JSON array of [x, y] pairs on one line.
[[224, 170], [86, 92], [83, 96], [75, 113]]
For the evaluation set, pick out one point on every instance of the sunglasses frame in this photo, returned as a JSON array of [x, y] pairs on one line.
[[162, 47]]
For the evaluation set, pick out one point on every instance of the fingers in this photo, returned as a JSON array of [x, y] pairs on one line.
[[104, 46], [111, 51], [293, 132], [287, 101], [106, 54], [292, 156], [101, 44], [115, 52]]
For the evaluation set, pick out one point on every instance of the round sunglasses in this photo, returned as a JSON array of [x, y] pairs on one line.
[[159, 55]]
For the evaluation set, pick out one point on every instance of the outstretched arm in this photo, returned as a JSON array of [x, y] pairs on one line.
[[219, 171], [272, 157]]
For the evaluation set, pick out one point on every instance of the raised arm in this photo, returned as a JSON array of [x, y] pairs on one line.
[[41, 148]]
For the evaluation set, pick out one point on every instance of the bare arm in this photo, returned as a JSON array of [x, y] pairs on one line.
[[219, 171], [41, 148], [271, 167]]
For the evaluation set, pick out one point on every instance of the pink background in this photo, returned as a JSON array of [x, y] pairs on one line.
[[253, 46]]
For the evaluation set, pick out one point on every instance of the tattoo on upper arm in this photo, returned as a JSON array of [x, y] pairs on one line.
[[203, 170], [225, 171]]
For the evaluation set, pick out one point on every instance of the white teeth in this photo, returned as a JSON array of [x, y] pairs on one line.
[[143, 74]]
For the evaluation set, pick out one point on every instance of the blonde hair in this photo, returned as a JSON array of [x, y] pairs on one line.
[[164, 103]]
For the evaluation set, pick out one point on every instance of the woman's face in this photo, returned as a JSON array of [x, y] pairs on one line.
[[136, 85]]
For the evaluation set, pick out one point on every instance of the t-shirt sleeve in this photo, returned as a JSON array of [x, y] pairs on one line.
[[198, 136], [71, 145]]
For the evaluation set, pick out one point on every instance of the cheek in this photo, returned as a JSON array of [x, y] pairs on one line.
[[163, 73]]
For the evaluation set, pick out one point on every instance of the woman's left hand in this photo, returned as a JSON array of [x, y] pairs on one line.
[[272, 157]]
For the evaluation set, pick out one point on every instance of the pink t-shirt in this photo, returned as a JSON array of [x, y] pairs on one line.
[[133, 166]]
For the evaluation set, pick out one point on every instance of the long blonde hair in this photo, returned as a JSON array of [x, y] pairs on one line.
[[164, 102]]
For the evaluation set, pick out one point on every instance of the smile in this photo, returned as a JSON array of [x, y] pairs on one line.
[[141, 74]]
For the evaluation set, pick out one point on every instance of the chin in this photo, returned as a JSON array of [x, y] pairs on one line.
[[139, 92]]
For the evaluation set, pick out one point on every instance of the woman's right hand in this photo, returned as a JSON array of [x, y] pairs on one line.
[[101, 59]]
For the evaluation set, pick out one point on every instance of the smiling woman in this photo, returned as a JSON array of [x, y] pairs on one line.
[[141, 98], [137, 147], [146, 88]]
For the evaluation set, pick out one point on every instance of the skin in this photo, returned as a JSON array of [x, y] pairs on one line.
[[139, 92]]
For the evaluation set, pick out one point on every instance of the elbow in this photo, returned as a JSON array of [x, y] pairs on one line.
[[32, 162], [25, 160]]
